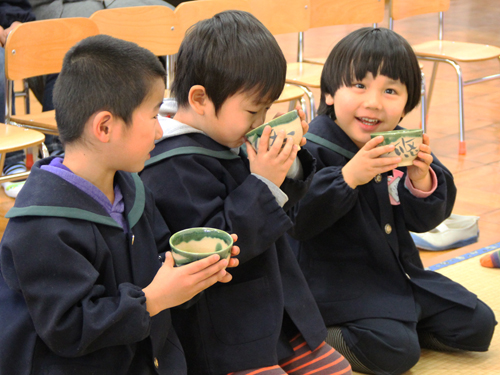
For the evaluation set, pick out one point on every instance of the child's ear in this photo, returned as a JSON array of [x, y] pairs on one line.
[[328, 99], [198, 99], [102, 126]]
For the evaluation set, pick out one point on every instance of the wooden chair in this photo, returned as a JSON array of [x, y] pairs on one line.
[[38, 48], [444, 51], [298, 16], [284, 17], [190, 12], [13, 138], [154, 27]]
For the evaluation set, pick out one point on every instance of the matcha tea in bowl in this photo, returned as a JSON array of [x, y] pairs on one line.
[[193, 244], [406, 144], [289, 122]]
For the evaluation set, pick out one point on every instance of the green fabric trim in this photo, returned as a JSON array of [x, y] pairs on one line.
[[332, 146], [225, 154], [68, 212], [139, 203]]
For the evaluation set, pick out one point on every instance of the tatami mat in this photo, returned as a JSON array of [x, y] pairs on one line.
[[485, 282]]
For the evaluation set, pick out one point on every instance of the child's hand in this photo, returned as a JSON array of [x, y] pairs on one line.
[[235, 250], [367, 163], [273, 163], [173, 286], [419, 171], [305, 125]]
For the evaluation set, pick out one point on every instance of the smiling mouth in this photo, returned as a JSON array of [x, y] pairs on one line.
[[368, 121]]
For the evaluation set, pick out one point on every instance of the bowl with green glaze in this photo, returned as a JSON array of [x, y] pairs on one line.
[[406, 144], [193, 244], [290, 122]]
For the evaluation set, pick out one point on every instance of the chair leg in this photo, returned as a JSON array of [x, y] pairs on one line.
[[431, 87], [423, 104], [461, 147]]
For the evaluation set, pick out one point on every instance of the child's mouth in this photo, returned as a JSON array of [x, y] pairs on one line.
[[368, 121]]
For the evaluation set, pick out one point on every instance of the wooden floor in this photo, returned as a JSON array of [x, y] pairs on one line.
[[477, 174]]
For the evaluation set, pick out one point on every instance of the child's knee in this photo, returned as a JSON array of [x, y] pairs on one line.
[[387, 351], [482, 325]]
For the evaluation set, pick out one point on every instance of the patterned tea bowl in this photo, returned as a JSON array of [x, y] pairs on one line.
[[406, 142], [193, 244], [290, 122]]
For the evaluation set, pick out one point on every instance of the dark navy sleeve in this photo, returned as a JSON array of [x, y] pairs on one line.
[[196, 190], [72, 309], [329, 197], [15, 10]]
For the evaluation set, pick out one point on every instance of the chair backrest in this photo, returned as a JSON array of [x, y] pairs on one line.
[[400, 9], [153, 27], [38, 48], [283, 16], [346, 12], [190, 12]]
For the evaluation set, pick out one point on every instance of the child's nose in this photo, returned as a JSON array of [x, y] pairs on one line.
[[373, 100]]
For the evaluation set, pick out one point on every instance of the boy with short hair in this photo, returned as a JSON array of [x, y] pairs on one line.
[[229, 71], [83, 289]]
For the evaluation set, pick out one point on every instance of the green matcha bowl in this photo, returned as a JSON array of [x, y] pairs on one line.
[[290, 122], [406, 144], [193, 244]]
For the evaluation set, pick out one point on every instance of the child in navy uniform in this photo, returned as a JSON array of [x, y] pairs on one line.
[[378, 302], [83, 288], [229, 71]]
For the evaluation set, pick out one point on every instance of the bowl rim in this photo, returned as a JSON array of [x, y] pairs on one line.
[[224, 233], [398, 132], [283, 119]]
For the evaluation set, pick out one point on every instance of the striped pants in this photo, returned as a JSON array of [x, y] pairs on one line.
[[324, 360]]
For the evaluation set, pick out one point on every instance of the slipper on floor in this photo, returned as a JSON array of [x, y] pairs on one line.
[[454, 232]]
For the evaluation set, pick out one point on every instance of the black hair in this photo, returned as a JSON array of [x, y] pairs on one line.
[[229, 53], [102, 73], [374, 50]]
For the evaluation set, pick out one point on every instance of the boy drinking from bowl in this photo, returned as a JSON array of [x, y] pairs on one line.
[[378, 302], [229, 71], [83, 288]]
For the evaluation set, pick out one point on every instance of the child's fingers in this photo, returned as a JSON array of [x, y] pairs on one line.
[[374, 142], [250, 151], [263, 145], [201, 265], [234, 236], [300, 112], [169, 260], [277, 146]]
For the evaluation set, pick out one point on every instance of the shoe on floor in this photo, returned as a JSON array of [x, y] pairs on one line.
[[456, 231], [13, 188]]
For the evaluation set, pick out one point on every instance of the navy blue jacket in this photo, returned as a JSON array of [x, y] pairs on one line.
[[71, 299], [355, 248], [238, 325], [15, 10]]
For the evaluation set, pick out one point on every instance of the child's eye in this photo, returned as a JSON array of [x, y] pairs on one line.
[[252, 112], [358, 85], [391, 91]]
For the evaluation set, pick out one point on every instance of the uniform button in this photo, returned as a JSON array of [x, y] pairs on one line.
[[388, 228], [378, 178], [156, 363]]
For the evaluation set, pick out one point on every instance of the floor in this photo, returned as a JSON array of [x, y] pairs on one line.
[[477, 173]]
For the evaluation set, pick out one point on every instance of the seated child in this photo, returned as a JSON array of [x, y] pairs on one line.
[[83, 289], [229, 71], [355, 249]]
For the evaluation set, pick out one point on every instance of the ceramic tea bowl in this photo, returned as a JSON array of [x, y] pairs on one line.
[[406, 142], [290, 122], [193, 244]]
